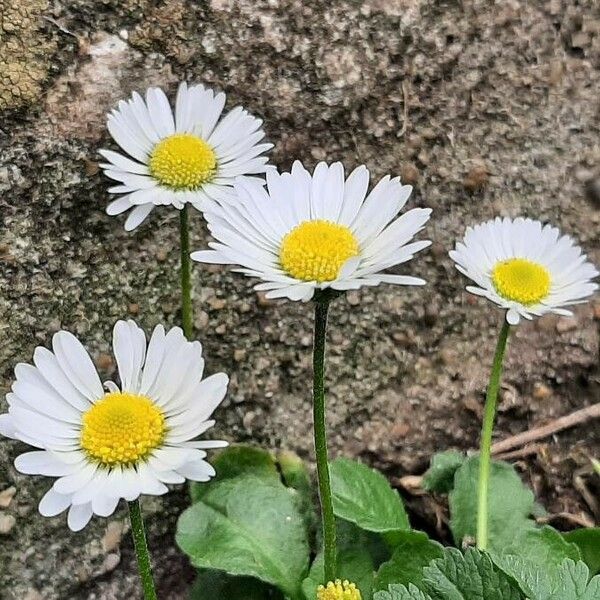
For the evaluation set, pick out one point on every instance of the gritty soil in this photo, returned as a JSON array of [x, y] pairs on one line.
[[486, 108]]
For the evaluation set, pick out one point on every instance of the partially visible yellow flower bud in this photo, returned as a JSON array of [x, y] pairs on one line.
[[338, 590]]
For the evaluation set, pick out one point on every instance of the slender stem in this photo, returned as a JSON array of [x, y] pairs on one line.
[[329, 533], [186, 278], [486, 438], [141, 550]]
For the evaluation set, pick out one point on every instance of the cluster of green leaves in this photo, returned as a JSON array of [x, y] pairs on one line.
[[512, 511], [253, 534]]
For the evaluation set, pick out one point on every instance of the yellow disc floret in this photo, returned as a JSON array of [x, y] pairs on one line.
[[338, 590], [183, 162], [317, 250], [521, 280], [122, 429]]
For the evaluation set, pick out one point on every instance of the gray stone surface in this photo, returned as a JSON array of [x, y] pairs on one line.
[[488, 108]]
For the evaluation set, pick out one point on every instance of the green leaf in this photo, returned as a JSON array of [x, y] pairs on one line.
[[510, 504], [543, 545], [235, 461], [567, 581], [399, 592], [573, 583], [440, 475], [217, 585], [364, 496], [511, 530], [413, 551], [588, 542], [248, 526], [472, 576], [596, 465], [455, 576]]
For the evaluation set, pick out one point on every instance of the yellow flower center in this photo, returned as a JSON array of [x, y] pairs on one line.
[[521, 280], [122, 429], [317, 250], [338, 590], [183, 162]]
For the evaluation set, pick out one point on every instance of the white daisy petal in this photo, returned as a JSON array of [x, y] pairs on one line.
[[104, 506], [118, 206], [525, 268], [197, 471], [43, 463], [137, 216], [76, 363], [53, 503], [129, 346], [79, 516], [311, 232], [7, 427]]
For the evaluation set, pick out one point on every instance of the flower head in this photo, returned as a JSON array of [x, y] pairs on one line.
[[180, 156], [310, 232], [338, 590], [120, 443], [525, 267]]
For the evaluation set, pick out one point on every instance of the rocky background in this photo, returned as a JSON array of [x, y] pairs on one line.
[[485, 107]]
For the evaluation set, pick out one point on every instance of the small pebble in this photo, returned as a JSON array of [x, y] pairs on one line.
[[262, 300], [409, 174], [112, 537], [353, 298], [541, 391], [105, 362], [6, 496], [7, 522], [476, 178], [565, 324]]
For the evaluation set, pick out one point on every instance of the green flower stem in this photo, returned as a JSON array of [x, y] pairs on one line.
[[186, 274], [486, 438], [319, 422], [141, 550]]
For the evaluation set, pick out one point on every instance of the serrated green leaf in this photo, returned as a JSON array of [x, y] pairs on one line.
[[534, 581], [237, 461], [413, 551], [218, 585], [573, 583], [510, 504], [248, 526], [588, 542], [471, 576], [567, 581], [364, 496], [399, 592], [457, 576], [440, 475]]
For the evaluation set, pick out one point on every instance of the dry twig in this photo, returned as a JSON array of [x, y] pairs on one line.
[[538, 433]]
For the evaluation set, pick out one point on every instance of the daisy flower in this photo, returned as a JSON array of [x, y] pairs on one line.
[[338, 590], [525, 267], [180, 156], [308, 232], [129, 440]]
